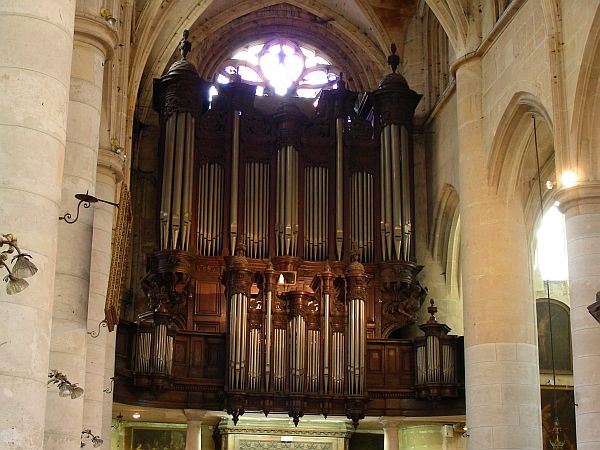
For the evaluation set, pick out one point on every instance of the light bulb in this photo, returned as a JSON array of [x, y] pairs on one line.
[[136, 415], [568, 179]]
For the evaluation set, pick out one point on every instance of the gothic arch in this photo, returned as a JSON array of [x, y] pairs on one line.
[[512, 166], [585, 128], [445, 240], [454, 19], [162, 34]]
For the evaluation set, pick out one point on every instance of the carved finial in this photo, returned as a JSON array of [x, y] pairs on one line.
[[327, 267], [184, 45], [432, 310], [240, 249], [393, 59]]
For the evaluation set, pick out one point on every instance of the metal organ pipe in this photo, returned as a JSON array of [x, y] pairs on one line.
[[396, 190], [315, 213], [356, 292], [176, 207], [167, 179], [287, 201], [361, 212], [406, 194], [235, 156], [210, 209], [339, 187]]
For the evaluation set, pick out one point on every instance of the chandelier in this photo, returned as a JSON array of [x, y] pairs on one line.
[[22, 266]]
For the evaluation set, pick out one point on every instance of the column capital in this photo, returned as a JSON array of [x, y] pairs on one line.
[[97, 32], [580, 199], [196, 415], [112, 162], [391, 423]]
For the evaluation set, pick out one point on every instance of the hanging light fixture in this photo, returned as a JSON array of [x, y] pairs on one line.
[[22, 267], [555, 440], [97, 441], [65, 387]]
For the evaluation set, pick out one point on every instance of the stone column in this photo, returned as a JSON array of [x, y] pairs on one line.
[[391, 428], [93, 42], [35, 64], [581, 206], [501, 362], [97, 413], [193, 437]]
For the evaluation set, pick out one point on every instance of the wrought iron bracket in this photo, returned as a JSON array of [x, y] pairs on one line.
[[86, 200], [95, 333]]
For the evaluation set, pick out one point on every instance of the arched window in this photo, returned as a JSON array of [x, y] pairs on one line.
[[280, 67], [439, 54]]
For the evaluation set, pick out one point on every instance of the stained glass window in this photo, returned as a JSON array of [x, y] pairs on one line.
[[280, 67]]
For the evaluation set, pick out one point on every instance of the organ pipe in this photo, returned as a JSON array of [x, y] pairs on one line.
[[406, 195], [356, 293], [235, 155], [238, 280], [315, 213], [339, 187], [394, 104], [361, 213], [256, 209], [210, 209], [176, 198], [178, 100], [286, 209]]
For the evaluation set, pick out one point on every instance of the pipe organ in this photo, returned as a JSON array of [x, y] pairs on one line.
[[255, 188]]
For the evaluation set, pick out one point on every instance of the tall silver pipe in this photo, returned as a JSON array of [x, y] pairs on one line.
[[326, 343], [178, 179], [406, 194], [268, 341], [165, 207], [396, 190], [339, 187], [235, 156]]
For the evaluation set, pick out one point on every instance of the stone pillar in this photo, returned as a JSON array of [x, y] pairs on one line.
[[391, 428], [35, 64], [193, 436], [581, 206], [501, 362], [97, 413], [93, 42]]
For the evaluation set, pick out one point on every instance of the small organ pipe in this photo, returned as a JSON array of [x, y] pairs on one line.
[[388, 193]]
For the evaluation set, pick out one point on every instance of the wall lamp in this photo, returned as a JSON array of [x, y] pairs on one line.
[[22, 268], [107, 15], [85, 199], [65, 387], [87, 434], [109, 389]]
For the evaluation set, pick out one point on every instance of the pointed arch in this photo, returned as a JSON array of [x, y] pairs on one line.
[[585, 123], [453, 18], [510, 139], [445, 240]]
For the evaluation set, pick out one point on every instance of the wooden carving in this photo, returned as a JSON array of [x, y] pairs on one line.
[[118, 263]]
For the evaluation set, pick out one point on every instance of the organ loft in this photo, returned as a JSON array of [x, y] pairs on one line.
[[282, 269]]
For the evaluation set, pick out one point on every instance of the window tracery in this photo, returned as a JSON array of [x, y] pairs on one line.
[[280, 66]]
